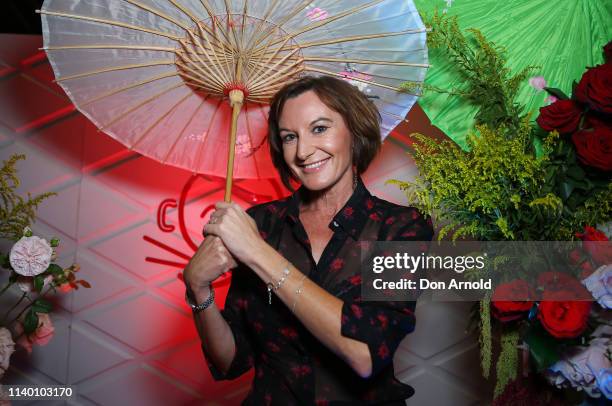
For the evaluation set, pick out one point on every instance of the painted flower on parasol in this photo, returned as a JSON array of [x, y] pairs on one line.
[[172, 78]]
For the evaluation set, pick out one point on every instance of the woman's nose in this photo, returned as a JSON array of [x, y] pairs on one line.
[[304, 148]]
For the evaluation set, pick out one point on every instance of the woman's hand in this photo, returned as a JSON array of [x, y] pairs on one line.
[[236, 228], [210, 261]]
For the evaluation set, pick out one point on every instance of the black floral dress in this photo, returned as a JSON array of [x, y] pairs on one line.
[[291, 366]]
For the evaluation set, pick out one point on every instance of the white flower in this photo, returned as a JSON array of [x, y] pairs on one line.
[[599, 283], [30, 256], [7, 347], [580, 367]]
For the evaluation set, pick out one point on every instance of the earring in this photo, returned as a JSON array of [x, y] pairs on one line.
[[354, 180]]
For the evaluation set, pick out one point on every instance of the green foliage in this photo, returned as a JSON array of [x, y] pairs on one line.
[[507, 363], [482, 65], [15, 212], [485, 338], [495, 191]]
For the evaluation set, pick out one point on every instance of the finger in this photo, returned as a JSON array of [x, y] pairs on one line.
[[211, 229]]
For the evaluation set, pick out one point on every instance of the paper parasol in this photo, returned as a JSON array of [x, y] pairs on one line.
[[562, 37], [171, 79]]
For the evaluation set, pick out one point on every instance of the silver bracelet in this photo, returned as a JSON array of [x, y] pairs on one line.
[[196, 308], [281, 281], [298, 291]]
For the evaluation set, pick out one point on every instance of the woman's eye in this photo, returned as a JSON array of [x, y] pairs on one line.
[[319, 129], [287, 138]]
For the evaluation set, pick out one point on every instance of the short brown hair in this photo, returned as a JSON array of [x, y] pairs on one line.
[[359, 113]]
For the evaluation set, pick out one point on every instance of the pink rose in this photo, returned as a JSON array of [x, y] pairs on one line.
[[537, 82], [41, 336], [31, 256]]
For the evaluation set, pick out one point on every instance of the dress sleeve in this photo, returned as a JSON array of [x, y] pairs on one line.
[[382, 325], [233, 313]]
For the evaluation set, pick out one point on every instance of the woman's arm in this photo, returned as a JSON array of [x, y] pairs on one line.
[[319, 311], [215, 334], [211, 260]]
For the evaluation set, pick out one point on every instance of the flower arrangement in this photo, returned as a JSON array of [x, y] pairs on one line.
[[520, 181], [32, 271]]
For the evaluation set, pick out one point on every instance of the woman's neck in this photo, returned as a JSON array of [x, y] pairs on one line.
[[332, 199]]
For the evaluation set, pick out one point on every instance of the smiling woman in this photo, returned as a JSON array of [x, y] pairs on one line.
[[317, 342]]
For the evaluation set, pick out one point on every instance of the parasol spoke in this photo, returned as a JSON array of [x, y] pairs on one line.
[[262, 77], [328, 20], [199, 81], [221, 72], [298, 9], [201, 66], [230, 23], [108, 46], [110, 22], [204, 141], [261, 22], [272, 56], [182, 131], [128, 87], [139, 105], [159, 119], [365, 61], [327, 72], [115, 68], [158, 13], [215, 23], [280, 75], [359, 38]]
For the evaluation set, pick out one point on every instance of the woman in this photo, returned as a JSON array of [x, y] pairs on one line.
[[293, 310]]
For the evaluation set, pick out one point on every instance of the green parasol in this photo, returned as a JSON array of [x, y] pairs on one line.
[[561, 37]]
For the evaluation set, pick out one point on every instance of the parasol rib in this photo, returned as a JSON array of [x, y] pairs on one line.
[[358, 38], [219, 79], [327, 72], [261, 22], [299, 8], [255, 84], [327, 21], [124, 88], [215, 23], [114, 68], [110, 22], [109, 46], [158, 13], [180, 133], [139, 105], [198, 44], [159, 119], [210, 123], [365, 61]]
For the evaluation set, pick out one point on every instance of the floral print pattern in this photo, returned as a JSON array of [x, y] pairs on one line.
[[291, 366]]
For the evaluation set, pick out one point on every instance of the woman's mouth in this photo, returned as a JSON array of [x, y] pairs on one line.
[[315, 166]]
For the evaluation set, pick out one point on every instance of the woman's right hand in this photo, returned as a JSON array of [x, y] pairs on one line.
[[210, 261]]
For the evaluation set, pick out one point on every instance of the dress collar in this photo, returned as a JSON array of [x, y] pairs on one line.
[[351, 218]]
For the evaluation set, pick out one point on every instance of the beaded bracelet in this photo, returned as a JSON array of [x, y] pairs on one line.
[[281, 281], [298, 291]]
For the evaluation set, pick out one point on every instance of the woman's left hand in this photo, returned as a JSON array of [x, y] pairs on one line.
[[236, 228]]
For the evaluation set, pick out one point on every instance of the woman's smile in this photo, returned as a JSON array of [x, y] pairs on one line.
[[315, 166]]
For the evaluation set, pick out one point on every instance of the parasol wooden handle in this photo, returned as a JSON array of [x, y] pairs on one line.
[[236, 100]]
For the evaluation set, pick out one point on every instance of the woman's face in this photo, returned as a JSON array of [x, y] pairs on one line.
[[317, 145]]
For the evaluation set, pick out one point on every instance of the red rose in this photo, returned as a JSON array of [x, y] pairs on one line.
[[562, 115], [558, 281], [563, 318], [595, 88], [594, 147], [597, 245], [507, 310]]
